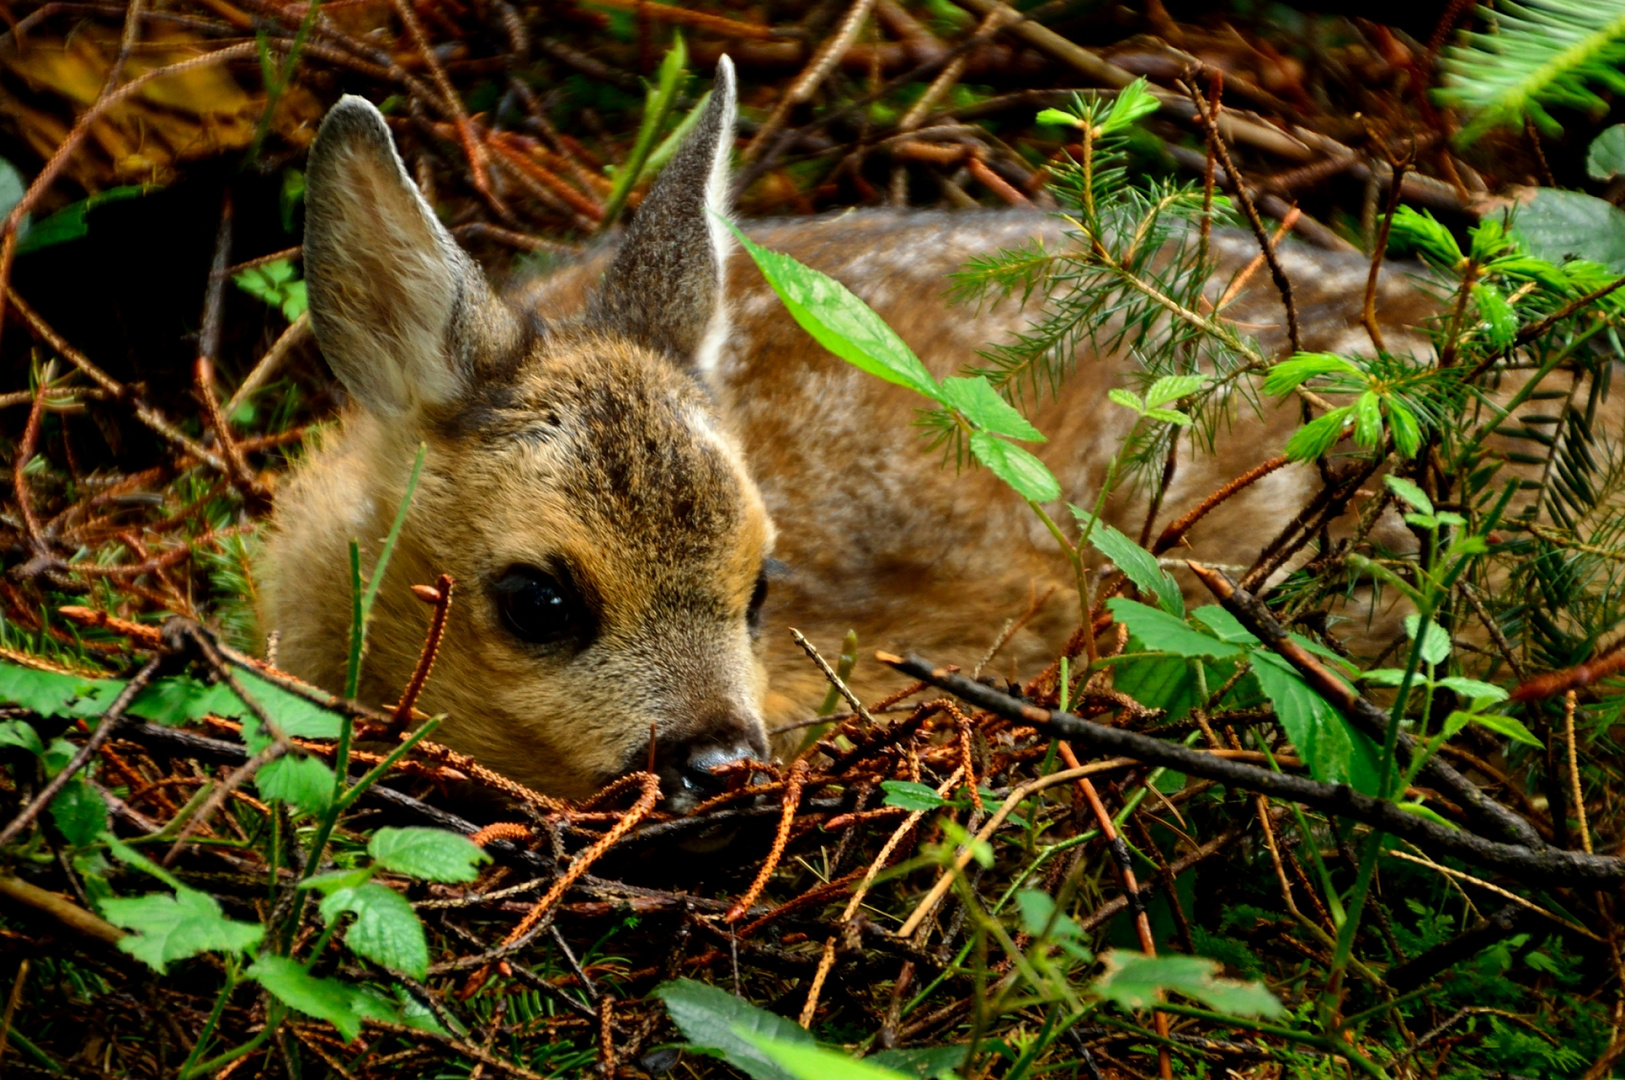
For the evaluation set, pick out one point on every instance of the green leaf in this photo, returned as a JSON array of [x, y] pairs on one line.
[[1133, 101], [1559, 225], [1606, 158], [299, 780], [1030, 477], [174, 927], [79, 813], [1334, 753], [1479, 693], [1168, 416], [658, 104], [20, 733], [1038, 914], [340, 1004], [1409, 493], [921, 1062], [809, 1061], [1505, 725], [1426, 813], [181, 699], [1126, 398], [51, 693], [959, 836], [1136, 562], [1163, 632], [839, 321], [1318, 435], [983, 407], [298, 717], [716, 1023], [1056, 116], [277, 284], [1136, 981], [69, 223], [1288, 375], [1172, 388], [386, 929], [1224, 624], [1159, 680], [911, 796], [1435, 642], [430, 854]]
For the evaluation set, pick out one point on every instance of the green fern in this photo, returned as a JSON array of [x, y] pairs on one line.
[[1541, 53]]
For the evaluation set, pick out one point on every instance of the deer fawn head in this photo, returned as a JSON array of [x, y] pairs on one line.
[[606, 539]]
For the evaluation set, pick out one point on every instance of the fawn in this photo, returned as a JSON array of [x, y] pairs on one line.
[[640, 471]]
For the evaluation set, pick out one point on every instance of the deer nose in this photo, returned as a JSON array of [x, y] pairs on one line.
[[698, 772]]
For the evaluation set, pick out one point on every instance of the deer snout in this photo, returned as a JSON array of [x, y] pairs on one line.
[[689, 769]]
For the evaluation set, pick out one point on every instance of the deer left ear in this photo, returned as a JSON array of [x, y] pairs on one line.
[[664, 288]]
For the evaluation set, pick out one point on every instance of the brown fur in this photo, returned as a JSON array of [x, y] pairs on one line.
[[657, 450]]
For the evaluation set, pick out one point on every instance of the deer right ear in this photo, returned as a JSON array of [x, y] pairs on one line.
[[392, 296], [664, 289]]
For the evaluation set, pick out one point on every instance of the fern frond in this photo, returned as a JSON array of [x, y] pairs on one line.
[[1545, 52]]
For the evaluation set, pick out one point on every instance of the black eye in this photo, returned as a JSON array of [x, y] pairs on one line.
[[540, 607], [753, 613]]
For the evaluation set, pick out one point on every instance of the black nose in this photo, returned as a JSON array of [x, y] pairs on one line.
[[697, 772]]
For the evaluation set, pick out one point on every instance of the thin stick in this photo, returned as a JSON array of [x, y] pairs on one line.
[[12, 1001], [431, 648], [1578, 796], [834, 679], [297, 331], [792, 801]]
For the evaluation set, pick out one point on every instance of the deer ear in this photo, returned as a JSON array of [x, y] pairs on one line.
[[393, 298], [664, 288]]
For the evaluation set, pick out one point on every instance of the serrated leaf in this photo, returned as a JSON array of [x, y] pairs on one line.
[[1136, 981], [296, 717], [1028, 476], [1136, 562], [170, 927], [1367, 419], [1558, 225], [1318, 435], [21, 734], [51, 693], [1172, 388], [1435, 642], [809, 1061], [1163, 632], [1224, 624], [1409, 493], [430, 854], [1334, 753], [1289, 374], [386, 930], [79, 813], [1159, 681], [299, 780], [340, 1004], [839, 321], [1126, 398], [716, 1023], [1505, 725], [1168, 416], [911, 796], [181, 699], [983, 407], [334, 880]]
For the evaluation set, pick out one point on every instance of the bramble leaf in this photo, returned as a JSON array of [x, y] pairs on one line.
[[386, 929], [430, 854], [1136, 981], [1136, 562], [982, 406], [1029, 476], [170, 927]]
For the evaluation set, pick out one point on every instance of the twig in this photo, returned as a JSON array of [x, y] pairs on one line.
[[61, 909], [834, 679], [816, 71], [1550, 865], [440, 596], [1177, 529], [297, 332], [1569, 702], [792, 799], [12, 1000]]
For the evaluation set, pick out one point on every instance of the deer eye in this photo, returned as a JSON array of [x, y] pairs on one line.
[[753, 613], [541, 607]]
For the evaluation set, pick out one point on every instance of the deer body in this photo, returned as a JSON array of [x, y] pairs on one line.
[[621, 456]]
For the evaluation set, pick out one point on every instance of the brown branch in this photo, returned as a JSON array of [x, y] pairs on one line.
[[792, 800]]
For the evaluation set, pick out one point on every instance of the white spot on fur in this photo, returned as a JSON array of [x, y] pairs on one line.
[[716, 211]]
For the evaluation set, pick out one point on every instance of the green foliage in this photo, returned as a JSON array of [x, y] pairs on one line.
[[644, 158], [719, 1025], [176, 926], [430, 854], [278, 284], [1536, 55], [911, 795], [1135, 981], [1137, 564]]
